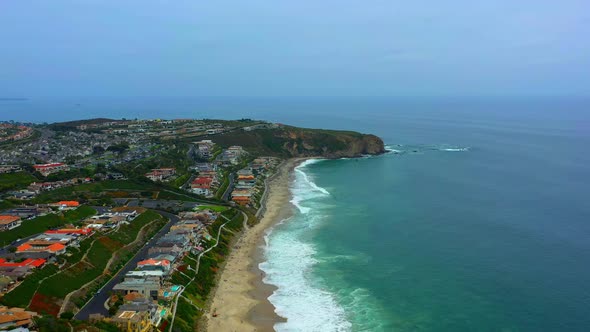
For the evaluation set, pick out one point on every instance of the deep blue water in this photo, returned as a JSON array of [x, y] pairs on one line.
[[494, 238]]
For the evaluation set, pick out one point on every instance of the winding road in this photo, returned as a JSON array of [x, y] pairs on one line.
[[96, 304]]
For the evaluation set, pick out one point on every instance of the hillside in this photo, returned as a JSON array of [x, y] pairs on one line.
[[290, 141], [71, 125]]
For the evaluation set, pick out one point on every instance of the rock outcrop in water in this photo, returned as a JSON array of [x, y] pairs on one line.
[[300, 142]]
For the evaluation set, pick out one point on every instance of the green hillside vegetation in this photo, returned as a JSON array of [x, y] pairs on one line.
[[43, 223], [140, 187], [290, 141], [18, 180]]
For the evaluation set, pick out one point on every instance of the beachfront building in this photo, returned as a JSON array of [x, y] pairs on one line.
[[147, 286], [154, 265], [137, 315]]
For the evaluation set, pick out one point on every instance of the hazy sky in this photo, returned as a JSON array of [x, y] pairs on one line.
[[294, 48]]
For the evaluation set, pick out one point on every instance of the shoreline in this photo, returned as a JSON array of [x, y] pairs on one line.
[[241, 297]]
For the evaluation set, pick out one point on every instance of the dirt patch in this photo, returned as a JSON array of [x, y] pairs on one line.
[[44, 305], [109, 243]]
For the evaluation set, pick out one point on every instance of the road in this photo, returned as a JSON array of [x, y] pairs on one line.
[[4, 250], [229, 189], [96, 304]]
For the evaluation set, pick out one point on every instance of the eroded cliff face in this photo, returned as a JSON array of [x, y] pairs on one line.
[[330, 144]]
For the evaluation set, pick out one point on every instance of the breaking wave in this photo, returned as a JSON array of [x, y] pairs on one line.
[[290, 257]]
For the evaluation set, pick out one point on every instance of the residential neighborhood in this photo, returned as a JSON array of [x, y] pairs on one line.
[[106, 222]]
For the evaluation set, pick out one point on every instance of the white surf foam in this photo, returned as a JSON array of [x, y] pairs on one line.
[[304, 188], [290, 259], [455, 149], [391, 149]]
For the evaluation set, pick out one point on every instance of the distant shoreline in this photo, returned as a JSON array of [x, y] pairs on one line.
[[241, 298]]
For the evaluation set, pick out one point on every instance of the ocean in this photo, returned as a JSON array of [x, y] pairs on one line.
[[477, 220]]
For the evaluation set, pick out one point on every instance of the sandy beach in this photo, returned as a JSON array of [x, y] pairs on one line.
[[241, 298]]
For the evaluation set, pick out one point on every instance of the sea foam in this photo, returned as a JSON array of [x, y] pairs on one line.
[[290, 257]]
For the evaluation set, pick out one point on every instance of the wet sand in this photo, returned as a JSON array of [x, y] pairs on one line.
[[241, 298]]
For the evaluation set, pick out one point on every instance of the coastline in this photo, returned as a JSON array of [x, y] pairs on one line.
[[241, 298]]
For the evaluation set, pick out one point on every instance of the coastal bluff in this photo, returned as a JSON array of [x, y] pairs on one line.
[[293, 142]]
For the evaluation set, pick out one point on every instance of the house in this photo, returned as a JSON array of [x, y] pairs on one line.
[[205, 167], [27, 262], [21, 269], [147, 286], [71, 231], [22, 194], [246, 179], [9, 168], [115, 176], [241, 200], [46, 169], [168, 250], [160, 174], [25, 212], [66, 205], [48, 248], [8, 222], [202, 185], [138, 315], [15, 317], [154, 264], [204, 148]]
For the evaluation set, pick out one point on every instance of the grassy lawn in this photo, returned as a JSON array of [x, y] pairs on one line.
[[15, 180], [128, 233], [181, 180], [216, 208], [43, 223]]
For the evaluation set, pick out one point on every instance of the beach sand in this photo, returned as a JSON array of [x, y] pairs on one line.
[[241, 298]]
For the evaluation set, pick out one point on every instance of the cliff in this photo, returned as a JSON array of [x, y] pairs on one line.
[[288, 141]]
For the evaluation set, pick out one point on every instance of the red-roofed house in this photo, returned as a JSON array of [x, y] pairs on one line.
[[76, 231], [9, 222], [66, 204], [46, 169], [27, 262], [202, 185], [154, 264], [41, 246]]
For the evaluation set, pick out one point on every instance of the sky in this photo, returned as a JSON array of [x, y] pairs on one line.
[[294, 48]]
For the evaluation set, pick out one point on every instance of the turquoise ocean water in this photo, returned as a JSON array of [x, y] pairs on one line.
[[480, 222]]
